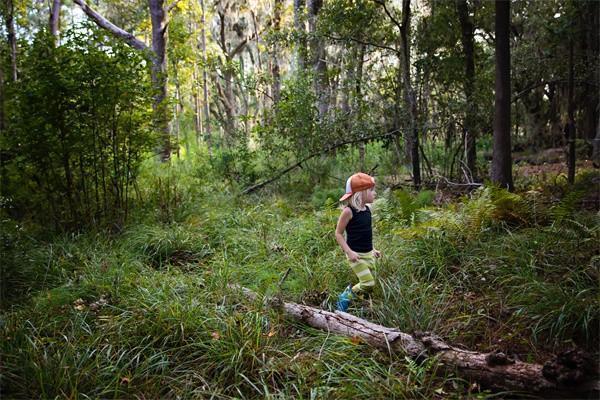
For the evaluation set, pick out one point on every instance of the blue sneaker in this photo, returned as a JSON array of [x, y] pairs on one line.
[[344, 299]]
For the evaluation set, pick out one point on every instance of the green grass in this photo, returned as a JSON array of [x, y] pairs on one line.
[[147, 312]]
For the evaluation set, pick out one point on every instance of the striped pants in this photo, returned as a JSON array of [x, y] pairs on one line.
[[362, 268]]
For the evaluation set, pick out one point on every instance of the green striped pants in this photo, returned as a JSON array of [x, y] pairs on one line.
[[362, 268]]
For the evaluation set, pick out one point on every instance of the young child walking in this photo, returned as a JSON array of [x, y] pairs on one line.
[[358, 244]]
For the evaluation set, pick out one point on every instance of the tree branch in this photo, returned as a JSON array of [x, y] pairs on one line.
[[241, 46], [326, 150], [104, 23], [389, 14], [171, 6], [351, 39]]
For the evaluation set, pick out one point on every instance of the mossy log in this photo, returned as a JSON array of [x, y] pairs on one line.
[[568, 375]]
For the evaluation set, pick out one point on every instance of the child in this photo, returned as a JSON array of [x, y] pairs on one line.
[[358, 245]]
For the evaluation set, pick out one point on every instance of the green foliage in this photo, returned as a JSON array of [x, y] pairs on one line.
[[78, 130], [327, 198], [294, 127]]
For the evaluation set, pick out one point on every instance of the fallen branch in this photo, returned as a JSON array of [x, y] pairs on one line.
[[324, 151], [564, 376]]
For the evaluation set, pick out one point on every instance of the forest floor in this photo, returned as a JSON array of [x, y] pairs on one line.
[[146, 313]]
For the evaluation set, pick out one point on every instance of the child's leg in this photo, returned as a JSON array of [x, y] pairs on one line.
[[362, 269]]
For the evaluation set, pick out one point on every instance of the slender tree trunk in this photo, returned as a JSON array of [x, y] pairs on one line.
[[227, 96], [596, 146], [207, 133], [468, 44], [571, 123], [409, 95], [3, 133], [589, 17], [358, 100], [55, 21], [177, 109], [275, 73], [158, 17], [318, 58], [196, 101], [501, 173], [12, 38]]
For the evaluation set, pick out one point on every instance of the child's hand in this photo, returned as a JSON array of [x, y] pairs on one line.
[[352, 256], [376, 253]]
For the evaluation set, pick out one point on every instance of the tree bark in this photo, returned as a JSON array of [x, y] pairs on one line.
[[571, 122], [158, 17], [493, 370], [207, 133], [12, 38], [318, 58], [358, 101], [275, 72], [157, 55], [55, 21], [468, 44], [409, 95], [501, 172]]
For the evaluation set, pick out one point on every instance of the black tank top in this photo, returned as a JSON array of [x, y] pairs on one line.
[[359, 234]]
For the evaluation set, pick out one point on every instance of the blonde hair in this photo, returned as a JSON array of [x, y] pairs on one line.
[[357, 200]]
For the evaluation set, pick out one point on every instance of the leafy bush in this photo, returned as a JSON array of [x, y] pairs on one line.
[[79, 129]]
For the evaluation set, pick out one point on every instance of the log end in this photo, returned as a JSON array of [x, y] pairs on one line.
[[571, 367]]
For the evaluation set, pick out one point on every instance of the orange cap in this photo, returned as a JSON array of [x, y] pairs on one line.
[[357, 183]]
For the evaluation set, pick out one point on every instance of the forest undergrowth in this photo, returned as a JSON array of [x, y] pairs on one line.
[[145, 312]]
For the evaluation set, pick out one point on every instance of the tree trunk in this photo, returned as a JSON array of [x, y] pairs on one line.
[[571, 122], [275, 73], [318, 58], [55, 21], [12, 38], [3, 133], [226, 92], [158, 17], [589, 16], [468, 44], [596, 146], [357, 107], [157, 56], [534, 119], [409, 95], [196, 101], [501, 172], [493, 370], [207, 133]]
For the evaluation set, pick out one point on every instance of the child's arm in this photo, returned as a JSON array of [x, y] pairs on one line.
[[345, 217]]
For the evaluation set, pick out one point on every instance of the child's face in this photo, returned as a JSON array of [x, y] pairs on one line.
[[371, 194]]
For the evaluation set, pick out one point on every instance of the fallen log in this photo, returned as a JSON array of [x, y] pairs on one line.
[[572, 374]]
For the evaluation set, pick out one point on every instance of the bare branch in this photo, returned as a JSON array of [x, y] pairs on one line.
[[104, 23], [171, 6], [352, 39], [389, 14], [324, 151]]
